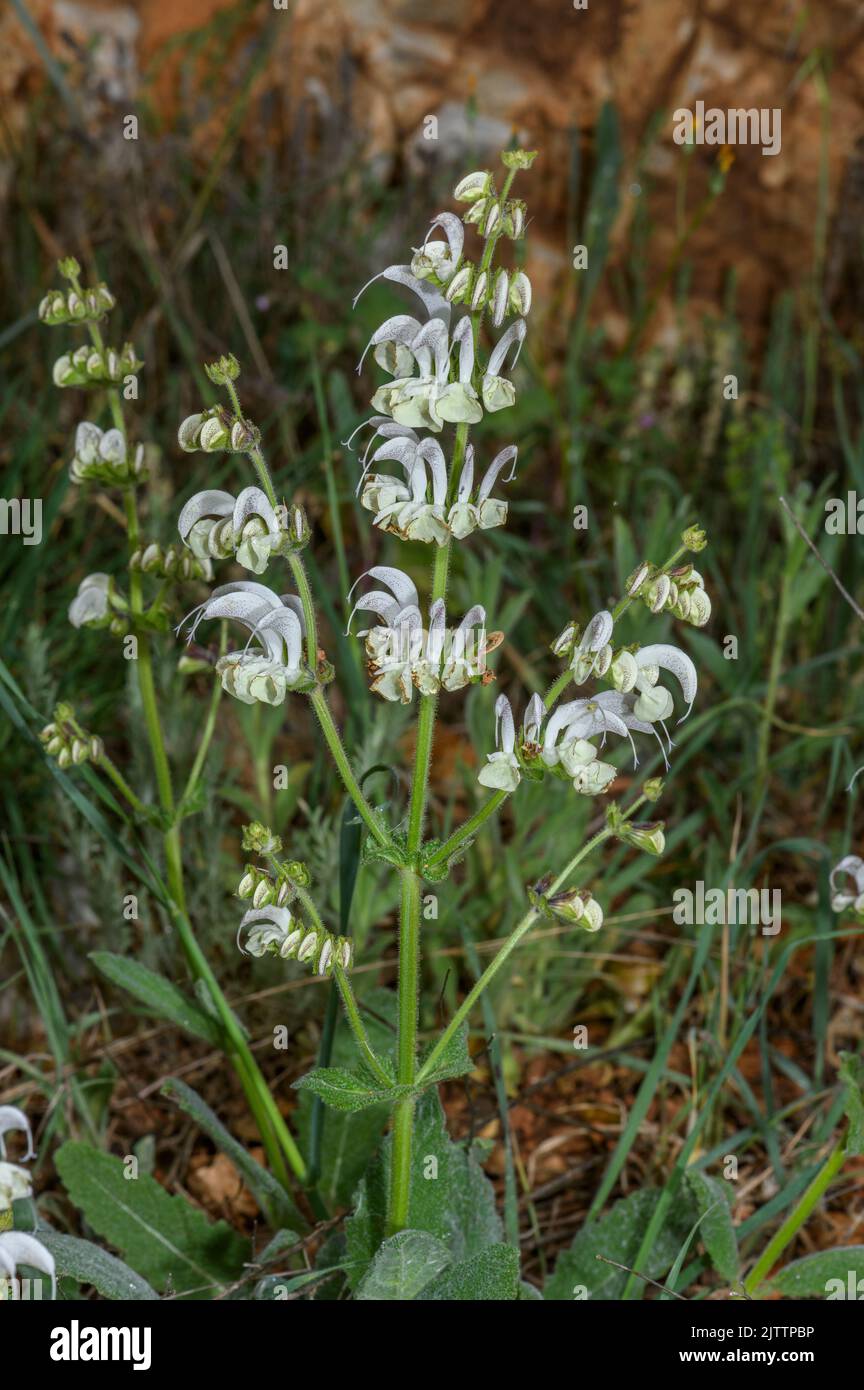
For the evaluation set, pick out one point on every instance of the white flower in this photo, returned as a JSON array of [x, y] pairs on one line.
[[11, 1118], [503, 771], [650, 661], [14, 1184], [440, 259], [404, 508], [473, 186], [90, 607], [429, 400], [850, 868], [278, 625], [497, 391], [593, 656], [401, 655], [484, 511], [18, 1248], [216, 524]]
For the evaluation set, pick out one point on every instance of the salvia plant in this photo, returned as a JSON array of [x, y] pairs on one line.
[[446, 363]]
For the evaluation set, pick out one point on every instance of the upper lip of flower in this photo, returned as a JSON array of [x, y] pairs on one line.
[[13, 1118], [276, 621]]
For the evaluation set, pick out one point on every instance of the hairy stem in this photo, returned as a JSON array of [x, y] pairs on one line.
[[361, 1037], [340, 757]]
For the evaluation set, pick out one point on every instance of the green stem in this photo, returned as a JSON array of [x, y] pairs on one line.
[[796, 1219], [406, 1050], [209, 729], [361, 1037], [509, 947], [340, 757], [298, 570], [116, 776]]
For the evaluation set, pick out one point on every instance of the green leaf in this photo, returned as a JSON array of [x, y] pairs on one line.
[[618, 1236], [350, 1138], [455, 1059], [88, 1264], [347, 1090], [824, 1275], [403, 1266], [715, 1229], [273, 1201], [490, 1276], [450, 1196], [851, 1073], [164, 1238], [159, 995]]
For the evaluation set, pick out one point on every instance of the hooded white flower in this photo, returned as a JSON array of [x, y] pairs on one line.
[[503, 770], [440, 259], [216, 524], [850, 870], [405, 508], [401, 655], [276, 623], [13, 1119], [498, 391], [18, 1248], [593, 655], [470, 511], [91, 607]]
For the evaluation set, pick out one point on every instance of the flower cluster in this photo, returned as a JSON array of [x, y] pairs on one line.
[[166, 562], [850, 873], [102, 456], [402, 654], [573, 906], [217, 525], [680, 592], [72, 306], [417, 509], [214, 430], [89, 365], [276, 931]]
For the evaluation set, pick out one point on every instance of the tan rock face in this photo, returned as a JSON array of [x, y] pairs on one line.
[[543, 68]]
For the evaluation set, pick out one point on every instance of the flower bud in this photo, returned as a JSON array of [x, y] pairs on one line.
[[566, 640], [477, 213], [652, 790], [213, 435], [260, 839], [514, 219], [54, 745], [594, 778], [64, 757], [520, 294], [189, 433], [518, 159], [500, 296], [79, 751], [223, 370], [493, 217], [646, 836], [638, 578], [694, 538], [97, 748], [247, 884], [69, 268], [308, 946], [577, 908], [657, 593], [473, 186], [459, 287], [700, 608], [263, 894], [478, 294], [298, 873]]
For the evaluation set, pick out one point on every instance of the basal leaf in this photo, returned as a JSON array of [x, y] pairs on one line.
[[618, 1236], [164, 1238], [715, 1229], [830, 1274], [87, 1263], [490, 1276], [403, 1265], [159, 995]]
